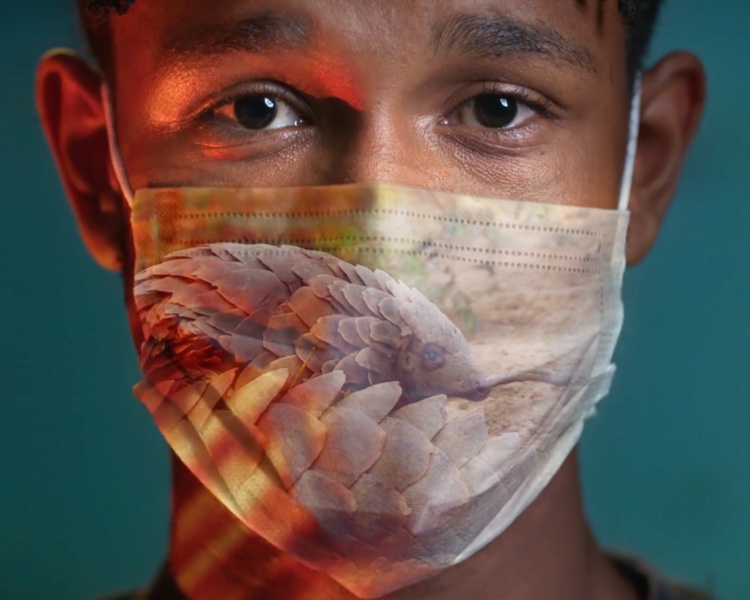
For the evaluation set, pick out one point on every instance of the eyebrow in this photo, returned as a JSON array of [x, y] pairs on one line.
[[265, 33], [486, 36]]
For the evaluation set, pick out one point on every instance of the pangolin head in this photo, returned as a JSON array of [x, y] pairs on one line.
[[435, 357]]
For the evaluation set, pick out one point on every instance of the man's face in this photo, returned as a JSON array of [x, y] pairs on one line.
[[521, 99]]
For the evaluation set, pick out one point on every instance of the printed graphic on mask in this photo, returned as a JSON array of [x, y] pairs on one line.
[[377, 380]]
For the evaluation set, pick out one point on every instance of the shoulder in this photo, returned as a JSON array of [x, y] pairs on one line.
[[650, 584], [678, 591], [132, 595], [162, 588]]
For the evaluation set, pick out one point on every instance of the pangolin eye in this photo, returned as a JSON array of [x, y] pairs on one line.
[[433, 357]]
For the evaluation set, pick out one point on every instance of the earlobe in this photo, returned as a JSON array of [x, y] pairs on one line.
[[673, 97], [70, 107]]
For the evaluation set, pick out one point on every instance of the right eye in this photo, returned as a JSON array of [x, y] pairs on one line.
[[494, 111], [258, 112], [433, 357]]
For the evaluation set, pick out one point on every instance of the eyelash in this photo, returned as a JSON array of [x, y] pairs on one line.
[[536, 102], [208, 112], [214, 104]]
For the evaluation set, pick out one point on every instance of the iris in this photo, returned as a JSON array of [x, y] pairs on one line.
[[255, 112], [495, 111]]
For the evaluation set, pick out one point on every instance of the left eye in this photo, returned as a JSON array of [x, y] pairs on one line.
[[258, 112], [432, 358], [493, 111]]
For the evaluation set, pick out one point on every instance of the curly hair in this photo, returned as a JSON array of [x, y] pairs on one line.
[[639, 15]]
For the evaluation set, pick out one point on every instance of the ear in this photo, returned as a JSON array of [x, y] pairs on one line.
[[406, 362], [672, 100], [68, 96]]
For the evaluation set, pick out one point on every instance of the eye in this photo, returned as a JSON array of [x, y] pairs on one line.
[[258, 112], [433, 357], [496, 109], [493, 111]]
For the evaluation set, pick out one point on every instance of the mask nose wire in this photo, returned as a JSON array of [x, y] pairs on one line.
[[114, 149], [634, 124]]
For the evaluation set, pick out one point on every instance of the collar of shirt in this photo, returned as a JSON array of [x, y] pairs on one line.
[[649, 585]]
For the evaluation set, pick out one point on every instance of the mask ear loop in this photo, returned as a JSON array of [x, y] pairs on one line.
[[634, 124], [114, 149]]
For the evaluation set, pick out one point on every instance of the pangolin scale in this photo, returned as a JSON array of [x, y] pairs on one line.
[[295, 384]]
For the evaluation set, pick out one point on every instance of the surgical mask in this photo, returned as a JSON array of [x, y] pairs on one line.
[[375, 379]]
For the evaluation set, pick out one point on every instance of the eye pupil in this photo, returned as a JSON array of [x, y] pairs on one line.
[[493, 110], [255, 112]]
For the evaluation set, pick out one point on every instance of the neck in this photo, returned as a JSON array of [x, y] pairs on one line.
[[547, 554]]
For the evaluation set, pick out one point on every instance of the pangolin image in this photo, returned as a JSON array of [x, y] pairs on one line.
[[274, 302], [310, 395]]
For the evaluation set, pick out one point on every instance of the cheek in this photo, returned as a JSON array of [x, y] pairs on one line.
[[585, 176], [590, 171], [594, 164], [179, 162], [534, 177]]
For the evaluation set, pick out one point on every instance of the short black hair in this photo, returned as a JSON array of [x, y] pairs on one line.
[[640, 17]]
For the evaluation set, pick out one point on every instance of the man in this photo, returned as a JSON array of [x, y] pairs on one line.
[[495, 99]]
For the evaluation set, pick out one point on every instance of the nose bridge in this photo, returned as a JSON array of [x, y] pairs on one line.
[[382, 146]]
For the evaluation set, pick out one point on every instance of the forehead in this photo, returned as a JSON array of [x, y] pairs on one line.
[[155, 34]]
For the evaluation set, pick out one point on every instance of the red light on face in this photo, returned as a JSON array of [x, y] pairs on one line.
[[329, 77]]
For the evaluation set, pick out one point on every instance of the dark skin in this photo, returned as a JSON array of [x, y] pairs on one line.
[[383, 91]]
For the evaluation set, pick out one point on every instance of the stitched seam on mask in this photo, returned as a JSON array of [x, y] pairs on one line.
[[553, 268], [349, 213], [497, 263], [537, 255], [313, 242]]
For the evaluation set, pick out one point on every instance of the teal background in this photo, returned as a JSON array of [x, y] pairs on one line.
[[666, 462]]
